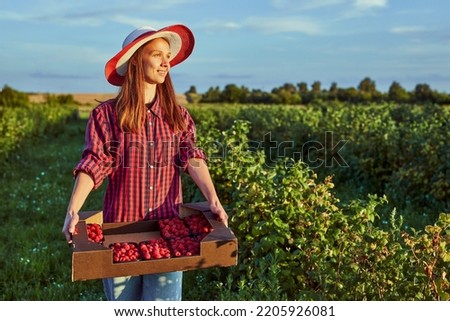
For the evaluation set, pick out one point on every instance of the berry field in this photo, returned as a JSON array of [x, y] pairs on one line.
[[329, 202]]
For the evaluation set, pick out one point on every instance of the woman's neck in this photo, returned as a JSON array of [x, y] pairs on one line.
[[150, 93]]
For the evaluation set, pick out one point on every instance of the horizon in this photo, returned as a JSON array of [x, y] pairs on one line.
[[323, 89]]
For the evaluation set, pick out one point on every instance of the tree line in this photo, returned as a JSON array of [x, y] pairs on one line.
[[10, 97], [301, 93]]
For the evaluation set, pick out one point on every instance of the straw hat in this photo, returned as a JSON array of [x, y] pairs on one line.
[[180, 38]]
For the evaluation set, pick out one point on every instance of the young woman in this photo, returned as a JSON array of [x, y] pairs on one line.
[[140, 142]]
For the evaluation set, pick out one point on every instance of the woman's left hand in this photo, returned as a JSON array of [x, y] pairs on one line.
[[220, 213]]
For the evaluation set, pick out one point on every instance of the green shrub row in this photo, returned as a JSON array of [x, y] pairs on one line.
[[297, 242], [386, 149], [20, 120]]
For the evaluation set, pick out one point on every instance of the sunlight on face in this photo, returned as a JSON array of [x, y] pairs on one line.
[[156, 56]]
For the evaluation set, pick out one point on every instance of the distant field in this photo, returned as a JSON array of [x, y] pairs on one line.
[[82, 98], [87, 99]]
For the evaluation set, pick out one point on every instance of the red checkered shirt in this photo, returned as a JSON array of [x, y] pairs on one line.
[[143, 168]]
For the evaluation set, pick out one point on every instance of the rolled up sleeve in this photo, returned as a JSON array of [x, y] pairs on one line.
[[96, 159], [188, 148]]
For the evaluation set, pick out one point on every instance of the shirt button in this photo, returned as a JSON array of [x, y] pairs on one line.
[[150, 123], [151, 166], [150, 209], [151, 187]]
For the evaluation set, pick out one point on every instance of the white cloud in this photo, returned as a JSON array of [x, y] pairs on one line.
[[217, 24], [231, 25], [366, 4], [360, 8], [57, 54], [12, 16], [408, 29], [138, 22], [273, 25], [305, 5], [269, 25], [316, 4], [87, 13]]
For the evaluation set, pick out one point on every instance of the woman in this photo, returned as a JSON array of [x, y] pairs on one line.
[[141, 141]]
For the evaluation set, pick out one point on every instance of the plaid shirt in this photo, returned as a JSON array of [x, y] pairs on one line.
[[143, 168]]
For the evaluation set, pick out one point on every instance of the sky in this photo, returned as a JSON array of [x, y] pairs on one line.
[[61, 46]]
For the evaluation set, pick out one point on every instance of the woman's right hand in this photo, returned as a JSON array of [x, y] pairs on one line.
[[69, 225], [82, 187]]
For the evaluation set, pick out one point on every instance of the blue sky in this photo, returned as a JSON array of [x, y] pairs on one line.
[[61, 46]]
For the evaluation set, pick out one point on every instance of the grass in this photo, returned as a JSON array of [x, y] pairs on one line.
[[36, 187]]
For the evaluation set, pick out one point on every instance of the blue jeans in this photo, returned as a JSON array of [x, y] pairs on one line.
[[150, 287]]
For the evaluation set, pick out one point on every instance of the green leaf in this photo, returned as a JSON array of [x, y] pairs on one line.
[[445, 257]]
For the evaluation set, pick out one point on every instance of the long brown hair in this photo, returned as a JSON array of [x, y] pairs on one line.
[[130, 101]]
